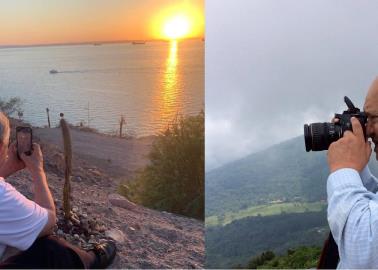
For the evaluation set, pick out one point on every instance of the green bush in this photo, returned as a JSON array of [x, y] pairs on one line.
[[301, 257], [260, 260], [11, 106], [174, 179]]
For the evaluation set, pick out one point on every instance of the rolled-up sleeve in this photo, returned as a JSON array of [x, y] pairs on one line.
[[368, 180], [21, 220], [353, 219]]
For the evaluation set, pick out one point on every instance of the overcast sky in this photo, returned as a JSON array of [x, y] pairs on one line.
[[272, 66]]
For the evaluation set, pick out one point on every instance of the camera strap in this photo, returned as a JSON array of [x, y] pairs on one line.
[[329, 258]]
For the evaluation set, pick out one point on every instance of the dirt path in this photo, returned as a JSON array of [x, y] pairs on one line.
[[114, 156]]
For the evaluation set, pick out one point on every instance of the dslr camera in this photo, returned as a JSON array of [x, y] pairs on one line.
[[319, 136]]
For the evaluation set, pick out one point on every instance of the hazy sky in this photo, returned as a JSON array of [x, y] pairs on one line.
[[272, 66], [56, 21]]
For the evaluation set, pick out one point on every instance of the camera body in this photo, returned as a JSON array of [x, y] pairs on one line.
[[319, 136]]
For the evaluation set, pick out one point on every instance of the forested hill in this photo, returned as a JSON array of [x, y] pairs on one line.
[[284, 172], [240, 241]]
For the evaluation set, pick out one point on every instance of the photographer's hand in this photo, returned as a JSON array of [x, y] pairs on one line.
[[34, 162], [42, 193], [12, 164], [351, 151]]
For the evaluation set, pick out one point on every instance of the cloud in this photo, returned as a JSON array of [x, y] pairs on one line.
[[272, 67]]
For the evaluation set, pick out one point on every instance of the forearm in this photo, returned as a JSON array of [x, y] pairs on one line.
[[352, 217], [42, 194]]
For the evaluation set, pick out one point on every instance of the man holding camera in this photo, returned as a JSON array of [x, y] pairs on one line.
[[352, 191], [28, 225]]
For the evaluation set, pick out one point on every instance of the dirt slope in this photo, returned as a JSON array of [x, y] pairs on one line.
[[145, 238]]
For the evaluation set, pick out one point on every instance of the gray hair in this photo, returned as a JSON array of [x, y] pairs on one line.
[[4, 127]]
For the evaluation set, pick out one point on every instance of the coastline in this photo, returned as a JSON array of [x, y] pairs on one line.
[[115, 156]]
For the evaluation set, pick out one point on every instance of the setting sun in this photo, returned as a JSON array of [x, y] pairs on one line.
[[178, 22], [177, 27]]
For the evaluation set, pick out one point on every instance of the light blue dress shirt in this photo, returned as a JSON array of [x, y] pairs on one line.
[[353, 217]]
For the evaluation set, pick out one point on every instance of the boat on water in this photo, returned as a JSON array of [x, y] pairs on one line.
[[138, 42], [53, 71]]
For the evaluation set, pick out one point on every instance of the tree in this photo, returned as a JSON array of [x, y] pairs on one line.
[[174, 179], [261, 259], [11, 106]]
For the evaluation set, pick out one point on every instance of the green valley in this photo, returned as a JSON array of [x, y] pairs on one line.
[[265, 210]]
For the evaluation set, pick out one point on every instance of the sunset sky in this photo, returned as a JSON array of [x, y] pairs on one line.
[[25, 22]]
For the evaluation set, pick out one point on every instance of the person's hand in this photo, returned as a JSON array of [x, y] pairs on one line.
[[350, 151], [34, 162], [12, 164]]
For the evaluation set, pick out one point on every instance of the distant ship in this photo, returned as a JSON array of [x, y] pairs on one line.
[[138, 42], [53, 71], [97, 44]]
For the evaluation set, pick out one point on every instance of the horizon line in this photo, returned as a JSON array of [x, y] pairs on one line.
[[99, 42]]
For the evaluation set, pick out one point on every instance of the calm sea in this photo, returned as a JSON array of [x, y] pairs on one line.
[[148, 84]]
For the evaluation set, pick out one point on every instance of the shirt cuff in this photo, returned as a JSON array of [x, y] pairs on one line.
[[344, 178]]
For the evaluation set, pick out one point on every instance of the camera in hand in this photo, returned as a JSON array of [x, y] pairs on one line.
[[319, 136]]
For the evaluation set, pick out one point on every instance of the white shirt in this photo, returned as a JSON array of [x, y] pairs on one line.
[[353, 217], [21, 220]]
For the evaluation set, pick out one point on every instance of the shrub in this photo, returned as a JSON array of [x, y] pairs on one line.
[[300, 257], [174, 179], [11, 106]]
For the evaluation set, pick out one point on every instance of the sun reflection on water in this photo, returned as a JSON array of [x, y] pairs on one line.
[[171, 103]]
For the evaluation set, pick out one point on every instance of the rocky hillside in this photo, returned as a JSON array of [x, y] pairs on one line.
[[145, 238]]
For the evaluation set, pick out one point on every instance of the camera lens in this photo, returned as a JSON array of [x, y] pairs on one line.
[[319, 136]]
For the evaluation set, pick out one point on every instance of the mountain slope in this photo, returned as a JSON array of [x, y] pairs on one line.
[[282, 172], [241, 240]]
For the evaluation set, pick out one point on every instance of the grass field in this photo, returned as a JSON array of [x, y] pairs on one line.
[[265, 210]]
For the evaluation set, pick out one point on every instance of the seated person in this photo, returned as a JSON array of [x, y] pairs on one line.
[[28, 225]]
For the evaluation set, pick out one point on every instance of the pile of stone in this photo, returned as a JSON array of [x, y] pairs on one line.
[[80, 230]]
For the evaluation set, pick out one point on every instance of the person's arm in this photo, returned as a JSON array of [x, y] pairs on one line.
[[21, 220], [368, 180], [42, 194], [353, 219], [352, 209], [43, 197]]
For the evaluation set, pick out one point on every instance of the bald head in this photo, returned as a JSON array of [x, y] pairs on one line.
[[371, 100], [4, 129]]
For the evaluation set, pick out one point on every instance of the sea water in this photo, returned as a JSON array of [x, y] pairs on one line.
[[149, 84]]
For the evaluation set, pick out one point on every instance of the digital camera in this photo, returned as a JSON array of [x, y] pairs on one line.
[[319, 136]]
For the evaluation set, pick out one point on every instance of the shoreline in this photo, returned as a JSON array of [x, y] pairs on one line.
[[86, 129], [118, 157]]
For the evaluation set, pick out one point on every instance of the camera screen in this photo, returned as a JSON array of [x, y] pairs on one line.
[[23, 141]]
